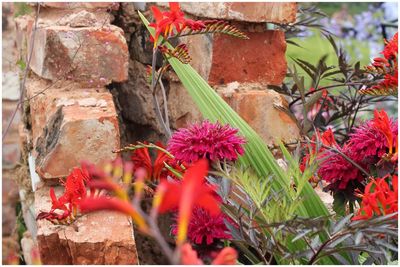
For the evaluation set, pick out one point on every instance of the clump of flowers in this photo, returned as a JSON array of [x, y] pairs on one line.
[[65, 208], [387, 68], [371, 144], [207, 140], [155, 171], [378, 198]]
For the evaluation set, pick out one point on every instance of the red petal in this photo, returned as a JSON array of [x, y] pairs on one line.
[[227, 256], [156, 13], [174, 7], [189, 256], [105, 203], [172, 196]]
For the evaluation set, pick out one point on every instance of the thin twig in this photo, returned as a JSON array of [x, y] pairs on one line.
[[22, 85], [323, 88], [165, 106], [154, 94]]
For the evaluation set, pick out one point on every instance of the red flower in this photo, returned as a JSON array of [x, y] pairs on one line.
[[368, 144], [382, 123], [206, 140], [227, 256], [157, 171], [378, 199], [327, 139], [64, 209], [167, 21], [387, 68], [391, 48], [186, 194], [205, 227], [337, 171]]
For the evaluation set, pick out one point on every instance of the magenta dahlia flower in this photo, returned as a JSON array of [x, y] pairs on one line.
[[337, 171], [368, 144], [205, 227], [206, 140]]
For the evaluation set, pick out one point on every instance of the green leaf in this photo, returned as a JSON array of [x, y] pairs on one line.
[[339, 204]]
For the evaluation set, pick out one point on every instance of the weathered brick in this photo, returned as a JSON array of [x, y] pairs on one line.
[[248, 12], [261, 59], [93, 56], [266, 112], [11, 150], [182, 109], [97, 238], [23, 25], [68, 127]]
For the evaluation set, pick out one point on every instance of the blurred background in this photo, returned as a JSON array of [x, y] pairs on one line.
[[359, 27]]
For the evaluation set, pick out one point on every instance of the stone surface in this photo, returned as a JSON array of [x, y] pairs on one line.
[[23, 25], [28, 246], [182, 109], [11, 150], [10, 250], [283, 13], [68, 127], [136, 98], [9, 200], [80, 5], [261, 59], [97, 238], [93, 56], [201, 51], [265, 111]]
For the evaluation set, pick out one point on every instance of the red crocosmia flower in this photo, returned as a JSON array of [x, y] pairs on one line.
[[382, 123], [391, 48], [75, 185], [186, 194], [167, 21], [227, 256], [378, 199], [64, 208], [91, 204], [326, 138], [157, 171]]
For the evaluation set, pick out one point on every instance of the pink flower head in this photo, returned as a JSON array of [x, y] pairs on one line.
[[337, 171], [368, 144], [205, 227], [208, 140]]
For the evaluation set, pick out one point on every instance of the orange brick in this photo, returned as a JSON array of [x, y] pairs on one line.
[[68, 127], [104, 237]]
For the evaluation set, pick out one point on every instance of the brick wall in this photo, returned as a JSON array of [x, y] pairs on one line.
[[70, 116], [88, 95]]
